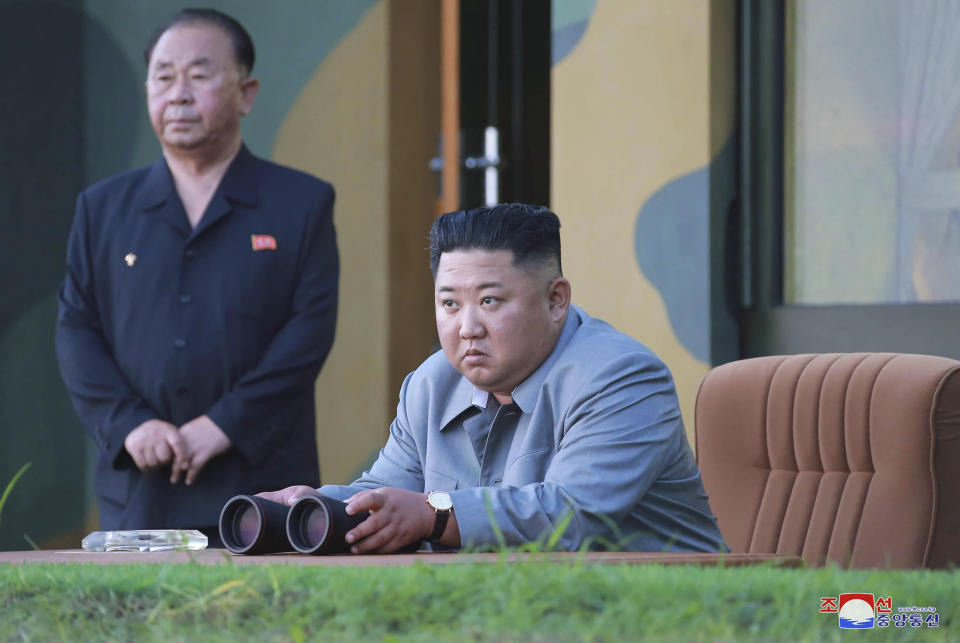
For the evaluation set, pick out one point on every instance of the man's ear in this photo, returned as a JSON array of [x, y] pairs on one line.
[[558, 296], [248, 93]]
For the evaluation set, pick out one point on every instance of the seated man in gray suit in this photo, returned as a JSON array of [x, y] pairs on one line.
[[534, 417]]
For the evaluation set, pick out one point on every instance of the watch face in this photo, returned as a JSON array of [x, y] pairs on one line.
[[440, 500]]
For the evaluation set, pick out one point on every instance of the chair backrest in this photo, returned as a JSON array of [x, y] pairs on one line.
[[845, 458]]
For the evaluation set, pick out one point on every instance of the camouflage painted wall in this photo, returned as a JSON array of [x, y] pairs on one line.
[[642, 120]]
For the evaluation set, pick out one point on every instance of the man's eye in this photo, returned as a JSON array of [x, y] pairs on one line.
[[448, 303], [198, 77], [486, 301]]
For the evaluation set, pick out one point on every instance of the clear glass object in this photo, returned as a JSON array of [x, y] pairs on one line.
[[145, 540]]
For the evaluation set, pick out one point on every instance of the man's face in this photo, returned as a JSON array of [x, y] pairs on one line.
[[196, 91], [497, 322]]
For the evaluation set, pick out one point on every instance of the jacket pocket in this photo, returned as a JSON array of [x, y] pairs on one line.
[[528, 467]]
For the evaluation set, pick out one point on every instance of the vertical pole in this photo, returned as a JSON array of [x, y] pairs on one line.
[[450, 118], [761, 151], [491, 178]]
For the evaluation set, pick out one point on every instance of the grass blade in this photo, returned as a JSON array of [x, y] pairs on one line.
[[6, 492], [559, 531]]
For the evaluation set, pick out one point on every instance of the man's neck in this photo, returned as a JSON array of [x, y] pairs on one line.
[[196, 176], [199, 164], [503, 398]]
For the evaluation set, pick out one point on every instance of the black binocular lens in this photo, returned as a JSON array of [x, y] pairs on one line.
[[318, 525], [253, 525], [313, 525], [247, 524]]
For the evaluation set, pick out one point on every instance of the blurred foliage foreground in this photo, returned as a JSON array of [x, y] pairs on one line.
[[529, 601]]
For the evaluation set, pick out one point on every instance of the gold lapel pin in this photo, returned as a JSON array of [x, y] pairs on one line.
[[130, 258]]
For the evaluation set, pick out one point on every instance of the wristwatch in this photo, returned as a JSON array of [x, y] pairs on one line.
[[442, 504]]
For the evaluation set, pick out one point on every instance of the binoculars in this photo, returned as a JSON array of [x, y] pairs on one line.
[[313, 525]]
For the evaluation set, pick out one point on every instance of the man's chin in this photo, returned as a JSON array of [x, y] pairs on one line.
[[482, 379], [476, 375], [183, 141]]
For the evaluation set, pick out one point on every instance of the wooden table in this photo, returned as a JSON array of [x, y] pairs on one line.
[[222, 556]]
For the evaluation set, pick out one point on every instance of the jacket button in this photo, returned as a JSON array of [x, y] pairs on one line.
[[190, 253], [179, 343], [185, 299]]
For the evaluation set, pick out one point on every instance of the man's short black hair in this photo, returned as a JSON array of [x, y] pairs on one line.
[[242, 43], [531, 232]]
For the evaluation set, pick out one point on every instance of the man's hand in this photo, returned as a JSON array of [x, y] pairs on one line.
[[155, 444], [397, 518], [289, 495], [204, 440]]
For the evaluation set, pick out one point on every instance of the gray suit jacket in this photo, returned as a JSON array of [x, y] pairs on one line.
[[599, 451]]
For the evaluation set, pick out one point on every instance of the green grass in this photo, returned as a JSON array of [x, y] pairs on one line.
[[474, 602]]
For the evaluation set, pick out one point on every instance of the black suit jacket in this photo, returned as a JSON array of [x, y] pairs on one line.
[[232, 319]]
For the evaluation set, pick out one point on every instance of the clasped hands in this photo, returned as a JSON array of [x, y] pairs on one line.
[[398, 517], [155, 444]]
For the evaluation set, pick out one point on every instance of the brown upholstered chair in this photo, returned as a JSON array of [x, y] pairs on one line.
[[846, 458]]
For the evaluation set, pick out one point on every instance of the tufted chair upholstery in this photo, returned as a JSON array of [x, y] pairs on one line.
[[845, 458]]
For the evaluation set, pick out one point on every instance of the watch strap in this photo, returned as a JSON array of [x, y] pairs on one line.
[[439, 525]]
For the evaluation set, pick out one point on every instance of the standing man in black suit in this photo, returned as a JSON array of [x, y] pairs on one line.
[[200, 299]]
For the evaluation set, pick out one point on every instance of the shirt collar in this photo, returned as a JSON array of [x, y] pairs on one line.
[[157, 187], [480, 398], [238, 183], [461, 399]]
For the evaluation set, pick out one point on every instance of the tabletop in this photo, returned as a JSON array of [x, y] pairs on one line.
[[223, 556]]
